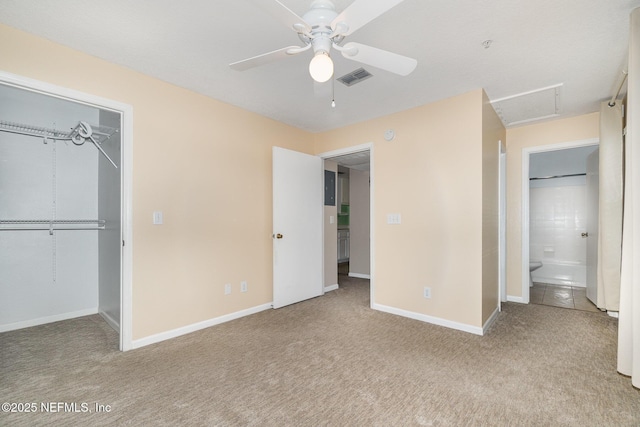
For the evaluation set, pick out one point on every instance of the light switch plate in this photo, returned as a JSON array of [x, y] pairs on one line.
[[157, 217]]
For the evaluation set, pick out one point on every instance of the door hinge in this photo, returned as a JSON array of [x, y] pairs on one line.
[[123, 243]]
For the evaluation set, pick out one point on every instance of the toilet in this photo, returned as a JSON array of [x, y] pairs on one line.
[[533, 265]]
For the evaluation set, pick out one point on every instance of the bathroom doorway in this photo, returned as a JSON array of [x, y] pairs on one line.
[[555, 216]]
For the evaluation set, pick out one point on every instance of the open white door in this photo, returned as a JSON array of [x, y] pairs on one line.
[[591, 235], [297, 227]]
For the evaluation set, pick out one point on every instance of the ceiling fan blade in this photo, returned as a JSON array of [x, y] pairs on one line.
[[285, 15], [361, 12], [265, 58], [385, 60]]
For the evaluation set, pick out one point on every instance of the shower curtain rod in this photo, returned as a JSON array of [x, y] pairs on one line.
[[558, 176]]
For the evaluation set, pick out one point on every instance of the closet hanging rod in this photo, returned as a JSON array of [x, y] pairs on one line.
[[52, 221], [19, 132], [29, 130], [55, 228], [51, 225], [41, 131], [45, 135], [558, 176], [82, 132]]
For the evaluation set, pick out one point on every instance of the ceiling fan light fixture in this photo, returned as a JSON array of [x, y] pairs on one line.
[[321, 67]]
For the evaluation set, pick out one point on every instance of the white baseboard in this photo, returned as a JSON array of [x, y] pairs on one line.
[[490, 320], [49, 319], [331, 288], [360, 276], [511, 298], [115, 324], [162, 336], [429, 319]]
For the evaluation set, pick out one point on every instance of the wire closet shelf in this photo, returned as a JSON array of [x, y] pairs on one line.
[[51, 224], [80, 134]]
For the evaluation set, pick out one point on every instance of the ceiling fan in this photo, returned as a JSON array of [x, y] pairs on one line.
[[322, 28]]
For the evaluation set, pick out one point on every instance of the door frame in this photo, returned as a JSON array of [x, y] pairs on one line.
[[126, 160], [502, 224], [358, 149], [526, 152]]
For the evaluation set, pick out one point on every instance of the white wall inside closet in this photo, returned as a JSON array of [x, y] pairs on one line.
[[46, 277]]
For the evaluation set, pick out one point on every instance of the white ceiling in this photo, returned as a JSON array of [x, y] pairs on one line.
[[578, 44]]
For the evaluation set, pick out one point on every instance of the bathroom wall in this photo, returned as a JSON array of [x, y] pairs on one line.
[[557, 217]]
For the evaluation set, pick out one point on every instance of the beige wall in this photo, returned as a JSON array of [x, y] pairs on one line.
[[215, 191], [331, 234], [492, 132], [559, 131], [359, 223], [431, 174], [205, 164]]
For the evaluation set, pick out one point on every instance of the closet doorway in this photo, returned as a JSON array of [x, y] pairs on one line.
[[64, 202]]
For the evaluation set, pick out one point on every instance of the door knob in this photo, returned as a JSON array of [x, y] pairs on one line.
[[278, 236], [585, 234]]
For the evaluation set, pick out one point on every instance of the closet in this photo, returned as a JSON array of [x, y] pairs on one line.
[[60, 210]]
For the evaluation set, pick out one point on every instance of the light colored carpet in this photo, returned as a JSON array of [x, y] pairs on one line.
[[328, 361]]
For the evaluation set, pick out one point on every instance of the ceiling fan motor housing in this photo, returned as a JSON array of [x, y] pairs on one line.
[[320, 17]]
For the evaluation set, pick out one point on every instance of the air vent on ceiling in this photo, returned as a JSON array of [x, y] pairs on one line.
[[355, 77]]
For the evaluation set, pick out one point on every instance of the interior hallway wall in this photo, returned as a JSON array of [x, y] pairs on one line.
[[359, 223], [431, 174], [493, 132], [331, 233]]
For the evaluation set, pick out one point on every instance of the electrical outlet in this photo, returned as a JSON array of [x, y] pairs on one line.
[[227, 288], [427, 292], [394, 218], [243, 286]]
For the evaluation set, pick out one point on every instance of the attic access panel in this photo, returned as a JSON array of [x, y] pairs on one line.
[[529, 106]]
